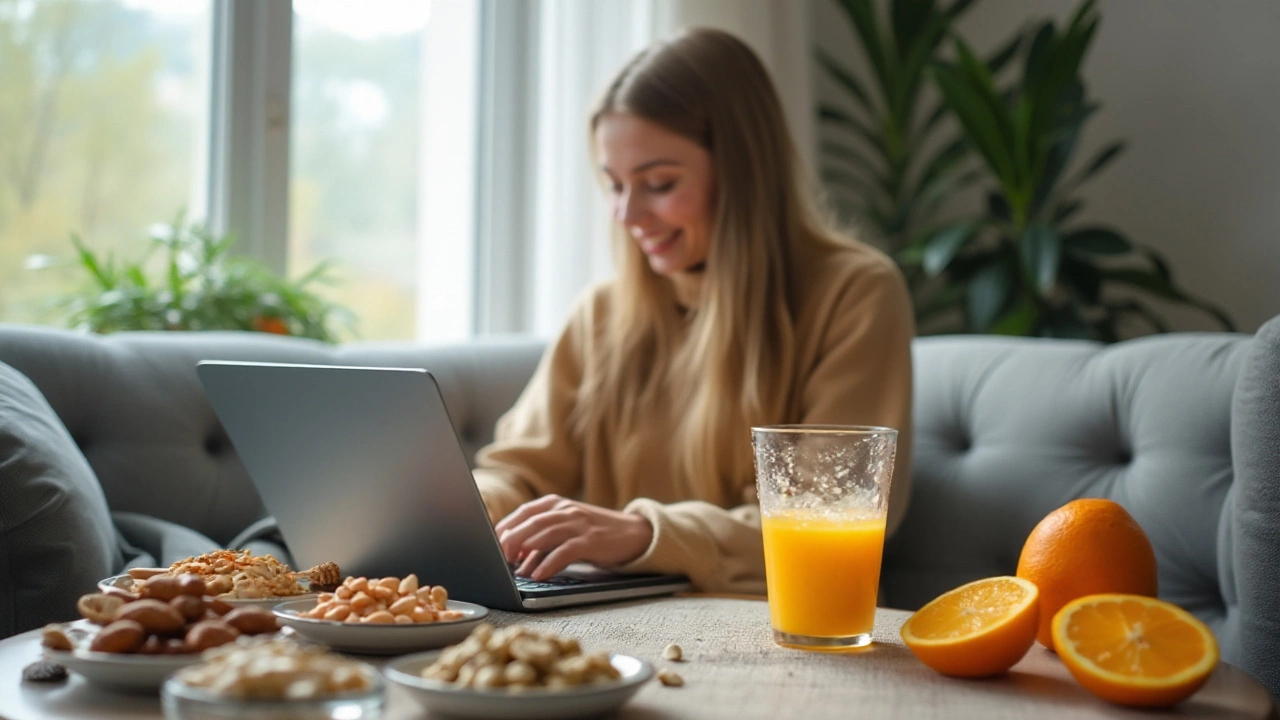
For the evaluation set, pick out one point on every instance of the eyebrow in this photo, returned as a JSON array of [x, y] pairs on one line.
[[647, 165]]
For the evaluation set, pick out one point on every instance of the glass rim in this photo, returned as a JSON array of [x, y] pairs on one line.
[[799, 429]]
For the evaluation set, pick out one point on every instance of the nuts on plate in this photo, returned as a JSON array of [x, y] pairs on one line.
[[184, 624], [276, 668], [227, 574], [516, 658], [384, 600]]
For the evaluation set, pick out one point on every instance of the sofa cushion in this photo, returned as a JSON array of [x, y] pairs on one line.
[[1250, 557], [56, 536], [1008, 429]]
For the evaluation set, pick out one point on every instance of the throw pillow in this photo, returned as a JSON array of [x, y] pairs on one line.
[[56, 536]]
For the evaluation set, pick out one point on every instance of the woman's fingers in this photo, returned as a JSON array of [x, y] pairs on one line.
[[559, 559], [515, 540], [526, 511]]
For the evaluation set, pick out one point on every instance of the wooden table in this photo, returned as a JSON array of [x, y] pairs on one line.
[[733, 671]]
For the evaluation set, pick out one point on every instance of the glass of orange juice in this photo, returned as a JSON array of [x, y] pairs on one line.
[[824, 496]]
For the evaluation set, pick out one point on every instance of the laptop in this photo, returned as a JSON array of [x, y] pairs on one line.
[[362, 467]]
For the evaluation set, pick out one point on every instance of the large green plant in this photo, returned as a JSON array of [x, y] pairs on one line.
[[886, 149], [197, 284], [1022, 267]]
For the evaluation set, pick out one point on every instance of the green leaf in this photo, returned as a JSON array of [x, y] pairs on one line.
[[1161, 286], [999, 59], [943, 245], [1081, 278], [1020, 321], [1104, 158], [861, 15], [976, 115], [840, 118], [848, 180], [846, 80], [1066, 210], [909, 18], [1097, 241], [988, 294], [854, 158], [998, 207], [102, 275], [1041, 254]]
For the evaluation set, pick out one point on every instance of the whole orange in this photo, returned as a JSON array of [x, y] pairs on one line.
[[1085, 547]]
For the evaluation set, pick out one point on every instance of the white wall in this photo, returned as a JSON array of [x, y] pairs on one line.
[[1194, 86]]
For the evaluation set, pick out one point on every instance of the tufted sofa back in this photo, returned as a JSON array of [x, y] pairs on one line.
[[135, 408], [1183, 430]]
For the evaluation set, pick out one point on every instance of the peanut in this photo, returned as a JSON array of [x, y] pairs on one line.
[[517, 658], [99, 608], [670, 678], [54, 638], [673, 653], [190, 607]]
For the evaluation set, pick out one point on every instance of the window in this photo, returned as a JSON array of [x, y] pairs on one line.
[[382, 159], [104, 124], [316, 130]]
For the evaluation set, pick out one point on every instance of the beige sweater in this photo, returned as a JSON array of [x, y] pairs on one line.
[[854, 327]]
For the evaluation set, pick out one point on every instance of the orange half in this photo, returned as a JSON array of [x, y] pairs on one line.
[[979, 629], [1134, 650]]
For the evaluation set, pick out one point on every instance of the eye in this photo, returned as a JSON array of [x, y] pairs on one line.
[[615, 188], [661, 188]]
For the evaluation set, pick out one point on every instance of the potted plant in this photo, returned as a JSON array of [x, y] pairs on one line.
[[197, 284], [1022, 267]]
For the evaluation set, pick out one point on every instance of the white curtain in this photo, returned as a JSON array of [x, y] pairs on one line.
[[544, 221]]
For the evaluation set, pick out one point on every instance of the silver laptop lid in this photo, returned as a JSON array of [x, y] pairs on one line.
[[362, 467]]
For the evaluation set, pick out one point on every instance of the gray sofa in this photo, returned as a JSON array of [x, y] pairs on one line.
[[1183, 430]]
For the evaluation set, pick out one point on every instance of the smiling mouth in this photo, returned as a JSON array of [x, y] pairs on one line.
[[657, 246]]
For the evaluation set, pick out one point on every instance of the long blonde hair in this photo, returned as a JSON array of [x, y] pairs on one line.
[[736, 366]]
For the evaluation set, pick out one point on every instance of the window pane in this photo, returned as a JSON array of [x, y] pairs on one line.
[[354, 185], [103, 132]]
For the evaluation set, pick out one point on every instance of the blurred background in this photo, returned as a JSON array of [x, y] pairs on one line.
[[432, 154]]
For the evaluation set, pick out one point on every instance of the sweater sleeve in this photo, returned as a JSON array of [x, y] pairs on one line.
[[863, 372], [533, 452], [862, 376]]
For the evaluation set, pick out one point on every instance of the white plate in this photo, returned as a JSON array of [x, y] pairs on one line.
[[125, 582], [122, 671], [446, 699], [373, 639]]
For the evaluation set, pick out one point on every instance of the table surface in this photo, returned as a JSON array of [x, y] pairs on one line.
[[732, 670]]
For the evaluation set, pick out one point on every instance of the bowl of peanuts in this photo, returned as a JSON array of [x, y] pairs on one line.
[[257, 679], [382, 616], [515, 672]]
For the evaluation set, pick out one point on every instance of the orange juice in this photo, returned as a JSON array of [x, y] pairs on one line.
[[822, 574]]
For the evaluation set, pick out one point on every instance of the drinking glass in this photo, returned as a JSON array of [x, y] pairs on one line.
[[824, 496]]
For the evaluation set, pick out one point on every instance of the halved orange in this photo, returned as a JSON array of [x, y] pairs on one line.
[[1134, 650], [982, 628]]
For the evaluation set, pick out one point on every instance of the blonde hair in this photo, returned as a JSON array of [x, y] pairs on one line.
[[735, 369]]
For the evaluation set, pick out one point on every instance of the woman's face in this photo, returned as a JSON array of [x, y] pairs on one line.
[[660, 187]]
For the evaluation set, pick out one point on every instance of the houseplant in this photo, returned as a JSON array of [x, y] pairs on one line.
[[893, 157], [1021, 267], [197, 284]]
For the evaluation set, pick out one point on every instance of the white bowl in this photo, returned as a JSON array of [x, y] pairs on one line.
[[534, 704], [377, 639], [122, 671], [125, 582]]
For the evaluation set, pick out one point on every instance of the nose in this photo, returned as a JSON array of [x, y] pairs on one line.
[[627, 210]]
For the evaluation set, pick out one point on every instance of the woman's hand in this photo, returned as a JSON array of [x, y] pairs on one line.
[[547, 534]]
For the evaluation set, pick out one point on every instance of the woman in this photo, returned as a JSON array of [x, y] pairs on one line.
[[733, 306]]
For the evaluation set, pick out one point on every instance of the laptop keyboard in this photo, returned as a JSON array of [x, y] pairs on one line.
[[559, 581]]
